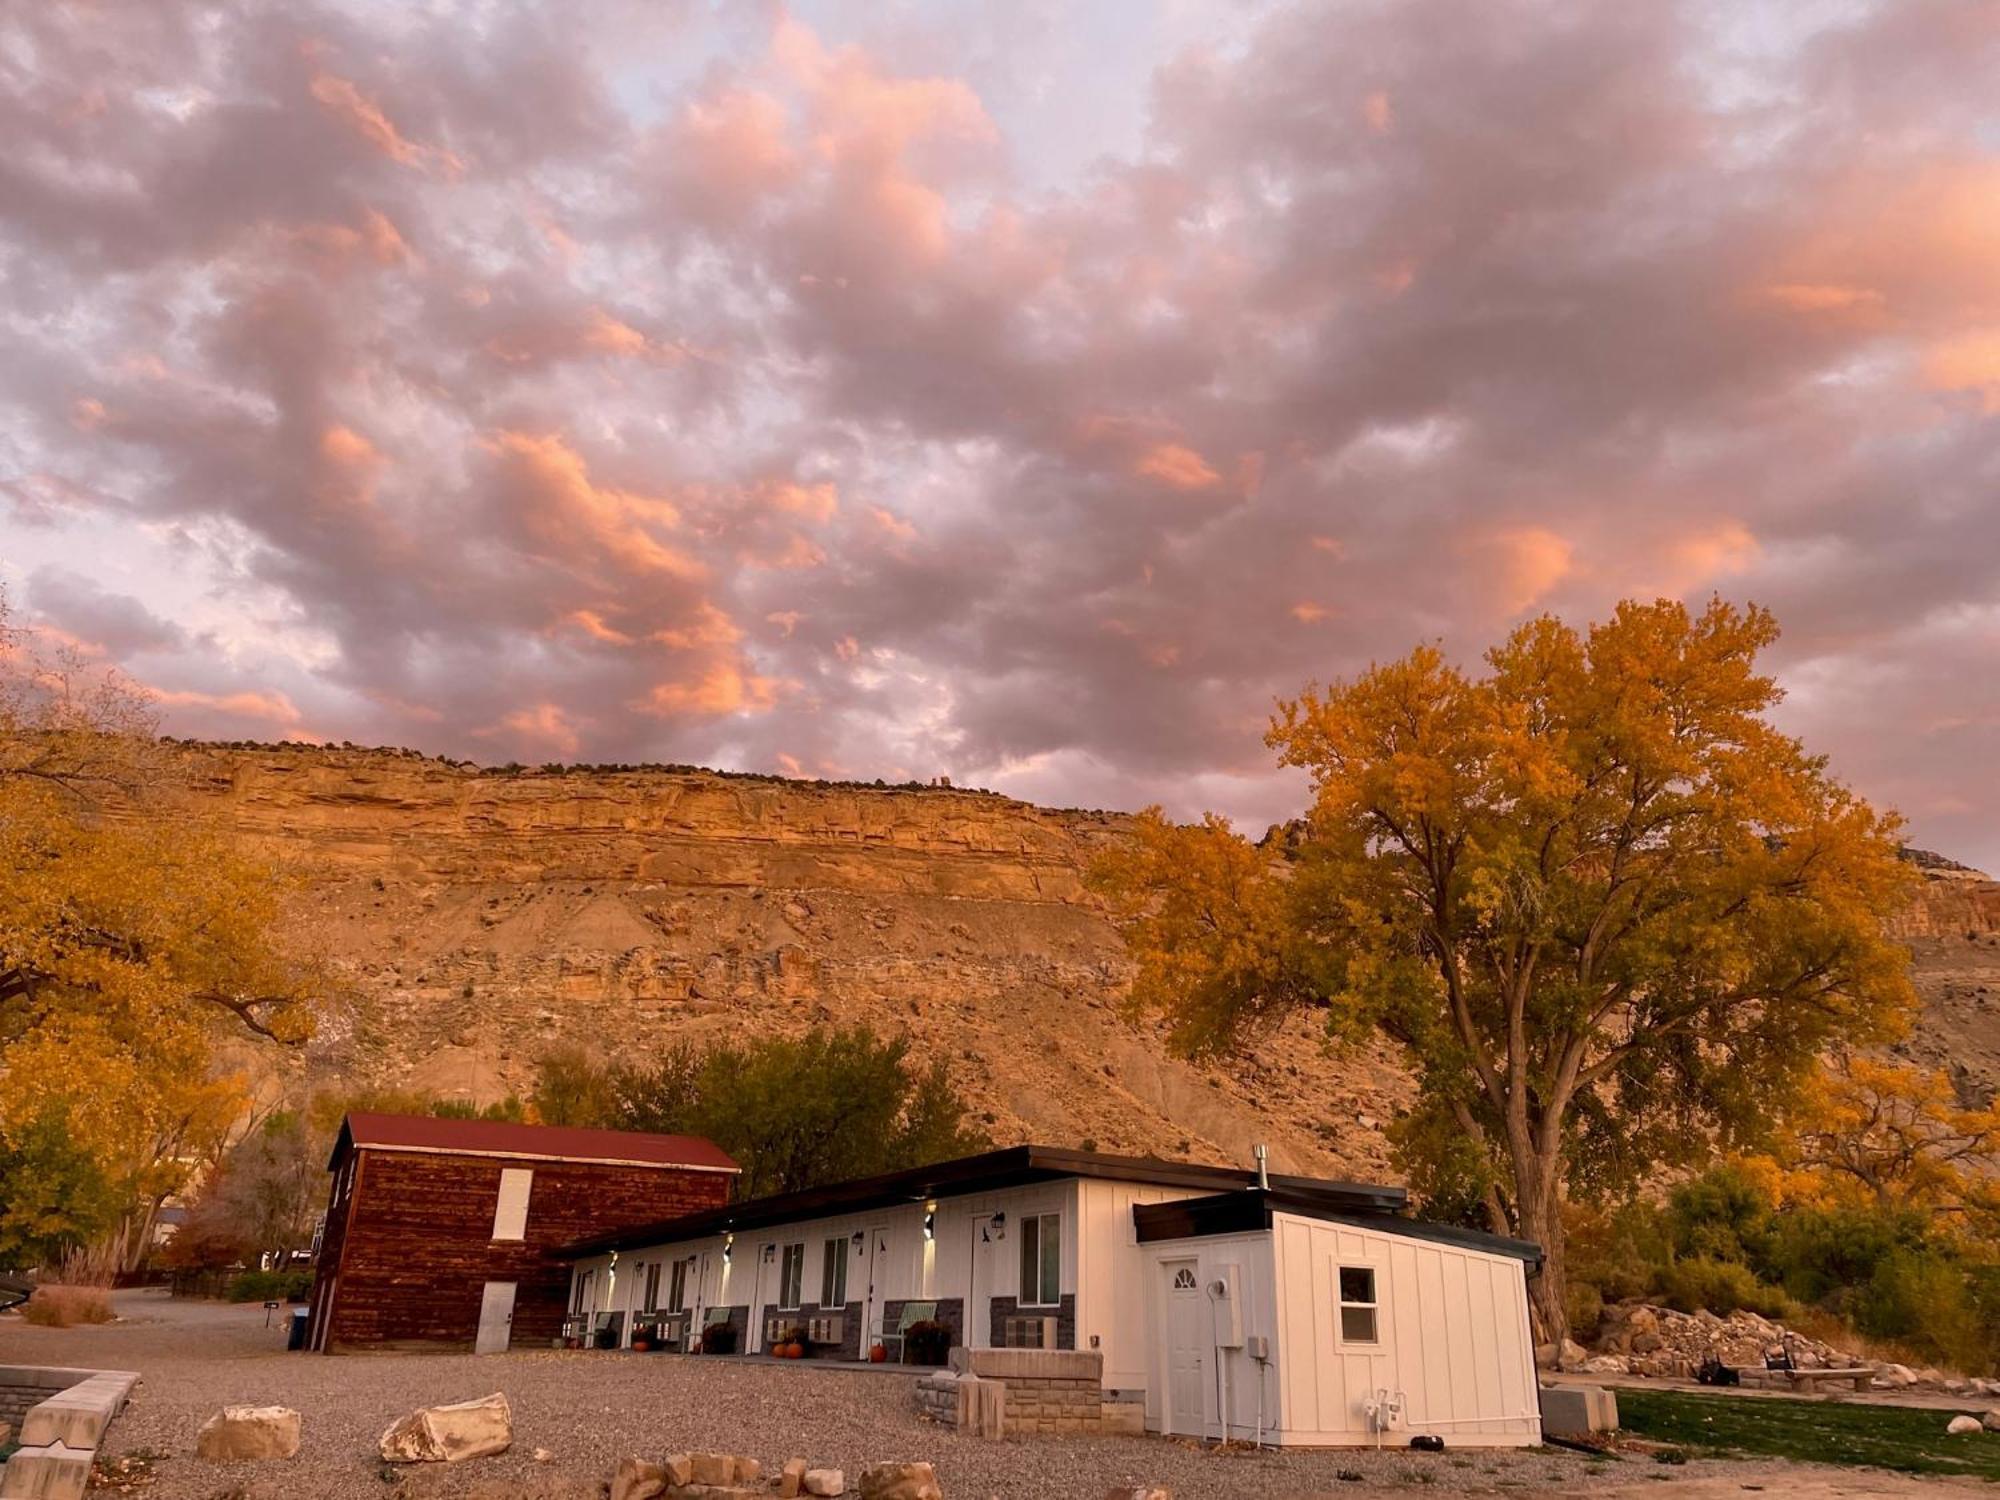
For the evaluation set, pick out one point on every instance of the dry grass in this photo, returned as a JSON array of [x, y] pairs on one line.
[[1816, 1323], [61, 1306]]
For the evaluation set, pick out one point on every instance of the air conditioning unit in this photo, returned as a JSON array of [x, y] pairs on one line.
[[775, 1329], [1029, 1333], [827, 1330]]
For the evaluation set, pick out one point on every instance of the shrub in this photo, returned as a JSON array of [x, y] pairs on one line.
[[1721, 1286], [270, 1286], [60, 1306]]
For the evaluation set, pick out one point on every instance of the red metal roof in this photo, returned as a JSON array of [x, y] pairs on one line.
[[534, 1142]]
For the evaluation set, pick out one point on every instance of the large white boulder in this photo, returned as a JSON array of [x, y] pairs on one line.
[[241, 1433], [825, 1482], [450, 1434], [1958, 1426]]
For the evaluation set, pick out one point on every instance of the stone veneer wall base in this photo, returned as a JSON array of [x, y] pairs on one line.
[[1041, 1390]]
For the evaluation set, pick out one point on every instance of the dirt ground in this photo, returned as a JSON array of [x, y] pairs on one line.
[[586, 1410]]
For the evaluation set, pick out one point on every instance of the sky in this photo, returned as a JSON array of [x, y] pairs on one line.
[[1027, 393]]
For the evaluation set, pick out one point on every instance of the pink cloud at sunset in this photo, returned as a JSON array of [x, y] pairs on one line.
[[1025, 394]]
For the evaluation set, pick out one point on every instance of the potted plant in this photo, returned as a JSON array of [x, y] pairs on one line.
[[605, 1337], [719, 1338], [644, 1335], [928, 1342]]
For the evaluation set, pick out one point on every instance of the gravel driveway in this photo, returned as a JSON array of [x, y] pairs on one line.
[[589, 1409]]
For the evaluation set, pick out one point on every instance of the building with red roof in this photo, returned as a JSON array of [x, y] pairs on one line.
[[443, 1234]]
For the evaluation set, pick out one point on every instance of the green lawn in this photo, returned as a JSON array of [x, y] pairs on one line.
[[1886, 1437]]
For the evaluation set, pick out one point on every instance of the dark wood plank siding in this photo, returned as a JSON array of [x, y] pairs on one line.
[[412, 1244]]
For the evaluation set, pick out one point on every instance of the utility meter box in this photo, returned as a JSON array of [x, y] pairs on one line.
[[1226, 1298]]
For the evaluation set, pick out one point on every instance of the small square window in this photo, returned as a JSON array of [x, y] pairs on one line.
[[1357, 1305]]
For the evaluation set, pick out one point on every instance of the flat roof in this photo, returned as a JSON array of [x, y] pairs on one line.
[[1245, 1212], [1013, 1166], [368, 1131]]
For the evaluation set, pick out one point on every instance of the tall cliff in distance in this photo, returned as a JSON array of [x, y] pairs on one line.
[[479, 917]]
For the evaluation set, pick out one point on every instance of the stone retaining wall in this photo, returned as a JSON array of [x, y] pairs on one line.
[[1041, 1390]]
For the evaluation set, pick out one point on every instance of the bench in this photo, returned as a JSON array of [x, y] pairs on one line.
[[1808, 1380]]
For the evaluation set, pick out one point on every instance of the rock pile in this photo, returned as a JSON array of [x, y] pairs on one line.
[[1637, 1338], [731, 1476]]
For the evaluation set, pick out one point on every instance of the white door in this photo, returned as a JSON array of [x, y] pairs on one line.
[[979, 1294], [1186, 1323], [757, 1298], [877, 1271], [496, 1318], [705, 1291]]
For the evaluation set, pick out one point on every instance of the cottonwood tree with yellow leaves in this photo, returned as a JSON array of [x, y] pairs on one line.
[[1891, 1136], [1612, 915], [133, 941]]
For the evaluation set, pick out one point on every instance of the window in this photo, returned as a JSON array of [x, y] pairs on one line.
[[791, 1277], [1041, 1260], [510, 1211], [1184, 1280], [1357, 1305], [833, 1275], [582, 1299], [678, 1288], [651, 1301]]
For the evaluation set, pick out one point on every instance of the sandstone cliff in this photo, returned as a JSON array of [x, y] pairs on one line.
[[484, 915], [1954, 935]]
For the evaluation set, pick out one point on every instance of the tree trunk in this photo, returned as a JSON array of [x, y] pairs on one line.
[[1540, 1209]]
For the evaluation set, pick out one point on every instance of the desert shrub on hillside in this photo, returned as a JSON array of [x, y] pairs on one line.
[[59, 1306]]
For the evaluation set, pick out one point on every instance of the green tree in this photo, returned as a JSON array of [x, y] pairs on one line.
[[1612, 915], [570, 1089], [795, 1112], [55, 1197]]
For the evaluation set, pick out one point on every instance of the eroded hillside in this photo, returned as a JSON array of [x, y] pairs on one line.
[[482, 916]]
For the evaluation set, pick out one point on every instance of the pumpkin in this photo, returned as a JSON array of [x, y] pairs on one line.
[[878, 1354]]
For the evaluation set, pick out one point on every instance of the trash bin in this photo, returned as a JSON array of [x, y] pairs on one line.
[[297, 1338]]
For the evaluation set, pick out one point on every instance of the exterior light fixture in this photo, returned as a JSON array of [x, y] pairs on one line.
[[860, 1241], [1000, 1226], [728, 1248], [930, 1221], [770, 1254]]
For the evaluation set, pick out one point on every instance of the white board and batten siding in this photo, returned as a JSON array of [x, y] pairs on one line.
[[1114, 1295], [1452, 1339]]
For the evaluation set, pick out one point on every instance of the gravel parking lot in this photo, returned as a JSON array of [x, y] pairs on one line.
[[589, 1409]]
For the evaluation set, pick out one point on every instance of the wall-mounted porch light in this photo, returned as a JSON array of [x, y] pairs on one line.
[[860, 1242], [930, 1220], [1000, 1226], [728, 1248]]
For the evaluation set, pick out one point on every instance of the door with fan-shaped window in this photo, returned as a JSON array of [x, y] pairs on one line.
[[1185, 1410]]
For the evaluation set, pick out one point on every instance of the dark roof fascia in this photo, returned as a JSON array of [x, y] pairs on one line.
[[1246, 1212], [1012, 1166]]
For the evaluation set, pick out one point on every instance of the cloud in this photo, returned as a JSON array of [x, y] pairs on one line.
[[109, 624], [880, 395]]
